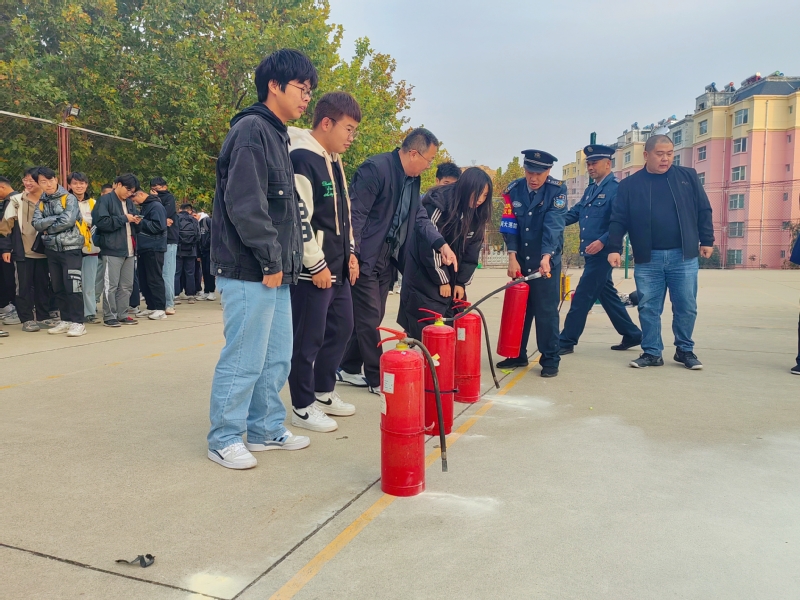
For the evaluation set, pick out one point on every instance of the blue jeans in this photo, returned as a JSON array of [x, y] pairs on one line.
[[254, 364], [170, 259], [89, 269], [596, 283], [667, 271]]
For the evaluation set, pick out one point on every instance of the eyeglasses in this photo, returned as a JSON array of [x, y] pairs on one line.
[[422, 156], [304, 92], [352, 134]]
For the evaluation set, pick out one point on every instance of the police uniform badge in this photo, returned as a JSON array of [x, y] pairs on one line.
[[560, 202]]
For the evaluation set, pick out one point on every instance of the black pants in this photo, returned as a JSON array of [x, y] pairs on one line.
[[798, 342], [66, 279], [543, 299], [209, 281], [184, 275], [34, 290], [151, 280], [369, 306], [323, 322], [136, 290], [8, 283]]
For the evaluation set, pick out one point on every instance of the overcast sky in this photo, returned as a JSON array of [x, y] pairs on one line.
[[492, 78]]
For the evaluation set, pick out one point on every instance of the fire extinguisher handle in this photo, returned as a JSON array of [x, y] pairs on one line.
[[396, 335]]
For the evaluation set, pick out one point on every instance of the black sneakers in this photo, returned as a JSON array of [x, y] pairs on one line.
[[513, 363], [688, 359], [549, 371], [647, 360], [626, 344], [566, 350], [795, 370]]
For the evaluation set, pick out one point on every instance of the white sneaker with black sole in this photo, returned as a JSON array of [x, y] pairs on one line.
[[288, 441], [374, 390], [313, 419], [356, 379], [331, 404], [235, 456]]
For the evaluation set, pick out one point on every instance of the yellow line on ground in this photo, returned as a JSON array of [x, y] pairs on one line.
[[308, 572]]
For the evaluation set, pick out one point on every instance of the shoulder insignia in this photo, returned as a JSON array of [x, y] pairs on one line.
[[554, 181], [511, 186]]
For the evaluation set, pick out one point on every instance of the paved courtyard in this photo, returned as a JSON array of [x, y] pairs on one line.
[[605, 482]]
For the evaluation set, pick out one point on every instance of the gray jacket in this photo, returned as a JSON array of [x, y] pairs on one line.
[[56, 220]]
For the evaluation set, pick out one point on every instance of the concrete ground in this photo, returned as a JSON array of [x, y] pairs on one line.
[[605, 482]]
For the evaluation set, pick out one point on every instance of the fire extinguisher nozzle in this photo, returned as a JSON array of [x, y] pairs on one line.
[[444, 462]]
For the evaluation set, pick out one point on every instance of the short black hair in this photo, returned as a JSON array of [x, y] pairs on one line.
[[448, 169], [656, 139], [420, 139], [5, 180], [187, 206], [77, 176], [283, 66], [157, 181], [107, 186], [32, 172], [334, 105], [128, 180], [45, 172]]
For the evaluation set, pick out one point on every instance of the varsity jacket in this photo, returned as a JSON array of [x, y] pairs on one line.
[[324, 207]]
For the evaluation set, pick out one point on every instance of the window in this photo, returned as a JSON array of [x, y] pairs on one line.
[[701, 106], [786, 225], [789, 139], [740, 117], [736, 201], [701, 153], [783, 252], [703, 127], [734, 257], [676, 160], [785, 196], [702, 178], [788, 168], [677, 137], [627, 157], [791, 109], [738, 173], [736, 229], [613, 162], [627, 173], [739, 145]]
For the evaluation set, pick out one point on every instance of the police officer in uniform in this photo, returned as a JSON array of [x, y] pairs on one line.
[[593, 214], [533, 229]]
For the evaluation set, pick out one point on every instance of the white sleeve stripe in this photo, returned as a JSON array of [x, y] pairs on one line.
[[437, 258]]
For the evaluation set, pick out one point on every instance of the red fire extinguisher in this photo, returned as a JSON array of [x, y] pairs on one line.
[[468, 356], [402, 417], [512, 322], [440, 340]]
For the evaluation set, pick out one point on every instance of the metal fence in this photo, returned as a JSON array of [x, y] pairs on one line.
[[28, 141]]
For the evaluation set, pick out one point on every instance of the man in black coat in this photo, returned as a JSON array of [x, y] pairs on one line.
[[385, 204], [666, 213], [151, 246]]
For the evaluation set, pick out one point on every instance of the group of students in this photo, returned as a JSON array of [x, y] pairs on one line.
[[64, 253], [305, 262]]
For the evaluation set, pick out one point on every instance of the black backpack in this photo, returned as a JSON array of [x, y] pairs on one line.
[[187, 229]]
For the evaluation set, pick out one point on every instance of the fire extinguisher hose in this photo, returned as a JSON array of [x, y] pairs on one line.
[[488, 347], [432, 366]]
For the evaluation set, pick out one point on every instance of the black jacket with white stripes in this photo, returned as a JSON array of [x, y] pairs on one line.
[[424, 272]]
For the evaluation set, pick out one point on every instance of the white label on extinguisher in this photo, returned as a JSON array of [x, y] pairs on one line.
[[388, 383], [461, 334], [383, 404]]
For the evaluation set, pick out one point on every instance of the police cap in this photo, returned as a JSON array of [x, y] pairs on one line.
[[596, 152], [538, 161]]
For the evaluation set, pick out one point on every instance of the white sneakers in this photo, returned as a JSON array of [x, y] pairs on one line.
[[331, 404], [157, 315], [356, 379], [288, 441], [169, 311], [235, 456], [211, 297], [76, 330], [314, 419], [60, 327]]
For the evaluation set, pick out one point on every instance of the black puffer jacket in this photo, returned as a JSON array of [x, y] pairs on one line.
[[256, 217], [171, 208], [109, 219]]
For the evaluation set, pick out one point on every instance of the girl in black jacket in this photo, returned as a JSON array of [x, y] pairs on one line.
[[459, 212]]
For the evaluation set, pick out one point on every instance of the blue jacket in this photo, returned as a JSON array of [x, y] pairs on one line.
[[533, 223], [593, 212]]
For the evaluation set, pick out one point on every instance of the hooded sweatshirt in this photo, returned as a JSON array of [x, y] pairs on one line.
[[324, 207]]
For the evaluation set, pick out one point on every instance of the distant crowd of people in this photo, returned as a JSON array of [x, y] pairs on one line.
[[68, 259]]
